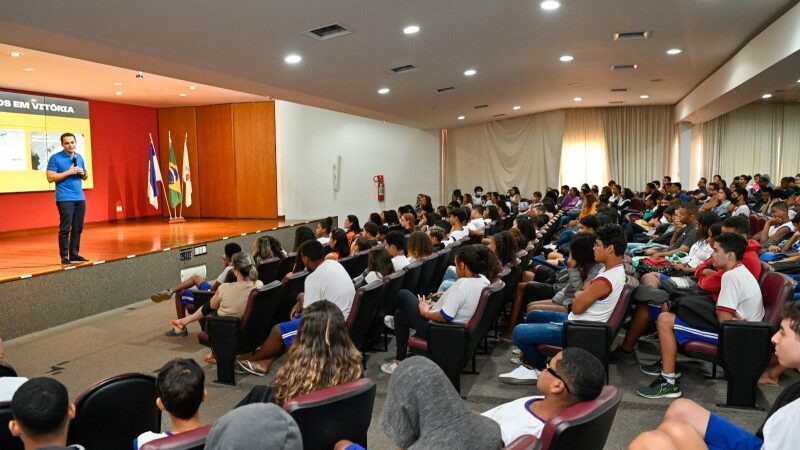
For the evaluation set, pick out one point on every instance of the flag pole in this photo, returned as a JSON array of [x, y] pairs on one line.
[[169, 210], [183, 183]]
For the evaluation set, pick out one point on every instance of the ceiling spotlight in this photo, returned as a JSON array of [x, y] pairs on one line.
[[566, 58], [118, 83], [118, 93], [644, 96], [411, 29], [15, 54], [516, 107], [292, 59], [470, 72], [182, 94], [549, 5], [461, 117], [383, 91], [674, 51], [27, 69], [577, 99], [192, 87], [766, 96]]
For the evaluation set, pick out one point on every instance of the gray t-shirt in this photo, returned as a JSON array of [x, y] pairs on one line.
[[687, 237]]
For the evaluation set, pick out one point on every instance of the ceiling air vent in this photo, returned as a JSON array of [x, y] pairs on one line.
[[481, 106], [631, 35], [327, 32], [624, 67], [446, 89], [403, 69], [498, 115], [619, 89], [616, 102]]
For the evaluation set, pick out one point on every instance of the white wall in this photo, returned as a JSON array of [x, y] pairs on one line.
[[309, 139]]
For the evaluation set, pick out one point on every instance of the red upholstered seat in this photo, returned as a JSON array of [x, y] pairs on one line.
[[584, 425], [189, 440], [702, 348], [418, 344], [525, 442]]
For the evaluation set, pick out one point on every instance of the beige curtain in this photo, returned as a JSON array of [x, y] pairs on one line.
[[640, 142], [522, 151], [790, 142], [583, 151]]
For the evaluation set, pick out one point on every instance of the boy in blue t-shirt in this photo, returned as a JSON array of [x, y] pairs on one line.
[[66, 169]]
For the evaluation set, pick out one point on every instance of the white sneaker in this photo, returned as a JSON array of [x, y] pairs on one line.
[[389, 322], [516, 351], [520, 375], [389, 368]]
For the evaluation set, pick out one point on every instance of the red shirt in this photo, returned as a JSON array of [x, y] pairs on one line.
[[711, 283]]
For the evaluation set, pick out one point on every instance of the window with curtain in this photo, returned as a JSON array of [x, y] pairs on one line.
[[583, 149]]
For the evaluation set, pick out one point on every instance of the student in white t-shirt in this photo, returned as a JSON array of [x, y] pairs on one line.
[[475, 266], [778, 227], [738, 206], [458, 221], [688, 425], [572, 376], [395, 243], [477, 224], [595, 302], [181, 390], [328, 280], [323, 231], [739, 299]]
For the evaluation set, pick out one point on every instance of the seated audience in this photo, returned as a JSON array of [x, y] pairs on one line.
[[437, 235], [395, 244], [41, 412], [328, 280], [477, 224], [687, 425], [475, 266], [257, 426], [419, 246], [572, 376], [323, 230], [352, 227], [383, 230], [407, 223], [391, 219], [301, 235], [423, 411], [581, 268], [181, 389], [379, 265], [738, 206], [778, 227], [359, 244], [230, 299], [339, 245], [458, 221], [185, 286], [370, 233], [595, 302], [262, 250], [739, 299]]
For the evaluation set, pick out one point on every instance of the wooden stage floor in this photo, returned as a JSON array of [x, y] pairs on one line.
[[35, 252]]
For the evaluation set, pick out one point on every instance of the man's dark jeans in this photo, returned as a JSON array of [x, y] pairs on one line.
[[69, 231]]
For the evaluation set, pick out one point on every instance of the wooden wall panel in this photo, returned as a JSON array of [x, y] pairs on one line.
[[256, 167], [180, 121], [216, 177]]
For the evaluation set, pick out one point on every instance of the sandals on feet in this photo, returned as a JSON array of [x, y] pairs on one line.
[[247, 366], [210, 358]]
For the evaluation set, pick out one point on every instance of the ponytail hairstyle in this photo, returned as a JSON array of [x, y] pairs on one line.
[[354, 225], [478, 259], [244, 264], [340, 244]]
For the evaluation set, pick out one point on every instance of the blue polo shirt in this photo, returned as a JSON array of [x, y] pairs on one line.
[[69, 189]]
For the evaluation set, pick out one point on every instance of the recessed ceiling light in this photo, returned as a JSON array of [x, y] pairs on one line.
[[516, 107], [766, 96], [644, 96], [577, 99], [798, 81], [192, 87], [15, 54], [118, 93], [182, 94], [470, 72], [292, 59], [383, 91], [549, 5], [411, 29], [117, 84], [461, 117], [674, 51], [566, 58], [27, 69]]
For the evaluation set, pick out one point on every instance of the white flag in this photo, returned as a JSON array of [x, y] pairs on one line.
[[186, 175], [153, 176]]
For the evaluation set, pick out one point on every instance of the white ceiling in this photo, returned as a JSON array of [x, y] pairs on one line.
[[513, 44]]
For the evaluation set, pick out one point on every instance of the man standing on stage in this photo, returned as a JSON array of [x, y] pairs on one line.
[[66, 169]]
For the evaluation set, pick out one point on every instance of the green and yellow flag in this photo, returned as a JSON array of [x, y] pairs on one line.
[[174, 177]]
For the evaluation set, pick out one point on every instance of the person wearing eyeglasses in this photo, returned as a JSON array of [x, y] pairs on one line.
[[572, 376]]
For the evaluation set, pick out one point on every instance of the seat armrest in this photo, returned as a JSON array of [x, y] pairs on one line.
[[223, 338], [201, 298], [594, 337], [447, 347], [744, 351]]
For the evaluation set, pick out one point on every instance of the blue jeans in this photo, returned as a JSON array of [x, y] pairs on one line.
[[449, 278], [542, 327], [566, 236]]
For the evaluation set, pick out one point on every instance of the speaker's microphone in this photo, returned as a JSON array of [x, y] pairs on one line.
[[74, 161]]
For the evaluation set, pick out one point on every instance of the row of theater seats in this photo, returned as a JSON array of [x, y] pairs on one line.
[[111, 413]]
